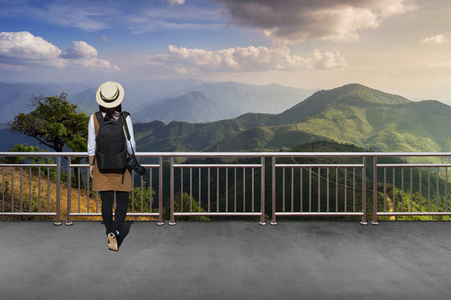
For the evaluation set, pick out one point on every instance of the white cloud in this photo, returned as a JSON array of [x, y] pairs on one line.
[[437, 39], [297, 21], [23, 48], [249, 59], [176, 2]]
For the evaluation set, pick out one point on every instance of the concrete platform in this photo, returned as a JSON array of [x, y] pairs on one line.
[[227, 260]]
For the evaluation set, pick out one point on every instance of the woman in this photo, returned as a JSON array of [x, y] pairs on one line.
[[109, 182]]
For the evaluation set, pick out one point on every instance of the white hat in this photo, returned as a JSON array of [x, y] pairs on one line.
[[110, 94]]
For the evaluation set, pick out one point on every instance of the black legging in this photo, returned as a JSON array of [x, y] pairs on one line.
[[107, 210]]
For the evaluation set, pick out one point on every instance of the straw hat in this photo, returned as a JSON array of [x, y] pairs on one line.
[[110, 94]]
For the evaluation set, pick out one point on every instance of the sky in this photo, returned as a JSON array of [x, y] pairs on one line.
[[397, 46]]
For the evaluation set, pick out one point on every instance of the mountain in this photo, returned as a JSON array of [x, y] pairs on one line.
[[238, 98], [15, 97], [352, 114], [193, 107], [162, 88], [152, 100]]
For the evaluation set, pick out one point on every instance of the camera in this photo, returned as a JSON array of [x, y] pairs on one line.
[[132, 164]]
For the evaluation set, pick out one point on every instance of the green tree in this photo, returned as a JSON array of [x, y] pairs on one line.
[[54, 123]]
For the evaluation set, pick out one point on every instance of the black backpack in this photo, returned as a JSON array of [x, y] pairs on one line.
[[111, 152]]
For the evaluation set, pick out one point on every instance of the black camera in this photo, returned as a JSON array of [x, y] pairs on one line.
[[132, 164]]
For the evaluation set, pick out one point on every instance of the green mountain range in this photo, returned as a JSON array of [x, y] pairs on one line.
[[353, 114]]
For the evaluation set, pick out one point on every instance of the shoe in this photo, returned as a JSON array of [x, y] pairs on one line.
[[112, 242]]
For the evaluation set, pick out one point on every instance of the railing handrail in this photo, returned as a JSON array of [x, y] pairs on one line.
[[242, 154]]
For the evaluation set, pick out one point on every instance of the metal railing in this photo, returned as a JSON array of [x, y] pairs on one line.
[[236, 184]]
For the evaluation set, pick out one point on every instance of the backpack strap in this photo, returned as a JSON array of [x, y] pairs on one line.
[[100, 118], [124, 115]]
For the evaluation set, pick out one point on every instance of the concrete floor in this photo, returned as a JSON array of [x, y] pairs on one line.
[[227, 260]]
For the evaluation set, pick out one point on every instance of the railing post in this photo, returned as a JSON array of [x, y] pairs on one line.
[[364, 222], [274, 222], [58, 191], [375, 222], [262, 221], [171, 183], [160, 192], [69, 191]]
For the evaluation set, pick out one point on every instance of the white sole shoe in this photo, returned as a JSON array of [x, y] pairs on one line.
[[112, 242]]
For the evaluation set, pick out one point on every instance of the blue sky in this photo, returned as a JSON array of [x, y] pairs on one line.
[[399, 46]]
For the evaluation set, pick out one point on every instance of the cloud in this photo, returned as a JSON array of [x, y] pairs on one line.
[[103, 38], [80, 50], [23, 48], [249, 59], [294, 21], [437, 39], [176, 2]]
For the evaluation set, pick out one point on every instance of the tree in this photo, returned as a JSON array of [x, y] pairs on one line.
[[54, 123]]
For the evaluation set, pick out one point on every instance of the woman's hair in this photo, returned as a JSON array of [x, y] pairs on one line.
[[111, 112]]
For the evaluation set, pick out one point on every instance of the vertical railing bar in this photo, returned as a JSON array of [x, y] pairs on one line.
[[21, 188], [171, 192], [12, 191], [292, 189], [3, 190], [133, 191], [353, 189], [87, 187], [301, 189], [244, 189], [273, 183], [283, 190], [160, 191], [142, 195], [420, 188], [39, 191], [385, 189], [48, 189], [78, 186], [58, 191], [336, 189], [234, 193], [190, 190], [328, 188], [181, 189], [446, 189], [394, 195], [319, 189], [310, 191], [374, 222], [253, 192], [402, 189], [411, 189], [227, 190], [438, 194], [364, 222], [151, 198], [429, 189], [262, 192], [346, 190], [217, 189], [69, 191], [30, 191], [200, 190], [209, 181]]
